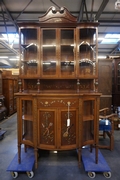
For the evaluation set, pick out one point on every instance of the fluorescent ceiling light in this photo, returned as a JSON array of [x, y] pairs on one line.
[[112, 36], [3, 38], [11, 38], [111, 39], [101, 57], [100, 38], [4, 57], [14, 59]]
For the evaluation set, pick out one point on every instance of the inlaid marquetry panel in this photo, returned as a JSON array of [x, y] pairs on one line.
[[68, 132], [57, 102], [46, 127]]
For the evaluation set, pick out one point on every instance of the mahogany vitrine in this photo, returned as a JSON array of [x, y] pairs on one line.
[[58, 99]]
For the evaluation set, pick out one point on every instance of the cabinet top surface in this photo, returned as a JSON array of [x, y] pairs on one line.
[[58, 94]]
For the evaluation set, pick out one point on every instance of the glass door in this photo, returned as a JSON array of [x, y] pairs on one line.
[[89, 121], [29, 52], [86, 52], [48, 52], [26, 121], [67, 52]]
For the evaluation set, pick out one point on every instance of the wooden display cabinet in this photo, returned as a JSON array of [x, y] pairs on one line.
[[58, 99], [3, 110], [10, 86], [105, 83], [116, 83]]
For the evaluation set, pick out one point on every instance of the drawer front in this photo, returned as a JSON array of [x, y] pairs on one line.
[[57, 102]]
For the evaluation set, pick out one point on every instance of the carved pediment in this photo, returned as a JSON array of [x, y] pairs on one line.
[[54, 15]]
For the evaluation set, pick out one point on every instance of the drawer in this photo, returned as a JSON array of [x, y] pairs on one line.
[[57, 102]]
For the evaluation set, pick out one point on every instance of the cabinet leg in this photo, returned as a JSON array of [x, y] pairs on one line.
[[36, 157], [96, 154], [25, 148], [79, 157], [91, 147], [19, 153]]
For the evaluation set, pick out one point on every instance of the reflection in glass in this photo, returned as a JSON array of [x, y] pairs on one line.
[[49, 52], [86, 51], [67, 52], [29, 51]]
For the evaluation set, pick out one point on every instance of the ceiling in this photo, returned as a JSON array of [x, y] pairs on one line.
[[15, 11]]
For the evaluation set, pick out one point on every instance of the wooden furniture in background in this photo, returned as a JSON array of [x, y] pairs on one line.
[[10, 86], [2, 99], [117, 123], [105, 83], [106, 127], [58, 99], [116, 84]]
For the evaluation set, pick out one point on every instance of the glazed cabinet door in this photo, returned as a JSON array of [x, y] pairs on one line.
[[26, 122], [49, 56], [29, 64], [58, 52], [87, 52], [67, 52], [89, 121]]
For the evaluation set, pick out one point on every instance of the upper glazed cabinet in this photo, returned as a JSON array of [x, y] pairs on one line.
[[66, 50], [63, 52]]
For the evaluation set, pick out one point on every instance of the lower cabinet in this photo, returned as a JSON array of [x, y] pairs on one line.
[[55, 130], [51, 123]]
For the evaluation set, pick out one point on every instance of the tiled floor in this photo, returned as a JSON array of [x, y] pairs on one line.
[[53, 166]]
